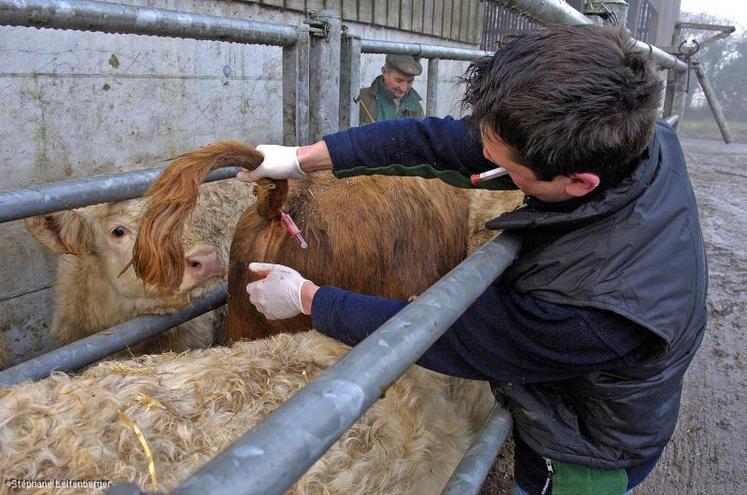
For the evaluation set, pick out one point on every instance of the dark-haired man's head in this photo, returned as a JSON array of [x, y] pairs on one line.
[[566, 101]]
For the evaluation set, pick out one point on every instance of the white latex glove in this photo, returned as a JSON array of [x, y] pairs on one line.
[[281, 162], [278, 294]]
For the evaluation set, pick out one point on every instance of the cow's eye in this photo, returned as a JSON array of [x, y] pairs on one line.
[[119, 231]]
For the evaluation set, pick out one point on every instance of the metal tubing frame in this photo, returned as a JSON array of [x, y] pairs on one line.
[[672, 120], [287, 442], [706, 27], [548, 12], [350, 81], [95, 347], [324, 84], [712, 100], [674, 97], [431, 96], [470, 474], [46, 198], [296, 91], [420, 50], [89, 15]]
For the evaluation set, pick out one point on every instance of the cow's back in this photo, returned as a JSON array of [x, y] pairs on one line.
[[385, 236]]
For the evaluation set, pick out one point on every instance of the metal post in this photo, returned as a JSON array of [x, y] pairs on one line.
[[278, 450], [324, 86], [710, 95], [296, 91], [431, 98], [672, 120], [350, 81], [86, 15], [98, 346], [674, 97], [470, 474], [74, 193]]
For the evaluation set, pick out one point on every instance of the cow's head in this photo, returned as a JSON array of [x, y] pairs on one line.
[[101, 237]]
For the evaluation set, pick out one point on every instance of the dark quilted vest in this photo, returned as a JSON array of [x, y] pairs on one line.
[[635, 249]]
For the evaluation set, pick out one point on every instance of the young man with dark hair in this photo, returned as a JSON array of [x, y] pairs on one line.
[[589, 332]]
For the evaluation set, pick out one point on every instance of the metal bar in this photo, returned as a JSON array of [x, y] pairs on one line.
[[296, 91], [350, 81], [713, 39], [470, 474], [431, 96], [74, 193], [86, 15], [106, 342], [324, 85], [705, 27], [420, 50], [549, 12], [712, 100], [287, 442], [672, 120]]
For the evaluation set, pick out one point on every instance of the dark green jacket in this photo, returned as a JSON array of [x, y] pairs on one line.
[[376, 103]]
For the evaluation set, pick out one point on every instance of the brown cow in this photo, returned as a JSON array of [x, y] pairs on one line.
[[384, 236]]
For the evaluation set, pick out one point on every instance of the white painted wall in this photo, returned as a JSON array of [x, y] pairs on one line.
[[78, 104]]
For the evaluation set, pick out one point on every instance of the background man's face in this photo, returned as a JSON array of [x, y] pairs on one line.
[[397, 82]]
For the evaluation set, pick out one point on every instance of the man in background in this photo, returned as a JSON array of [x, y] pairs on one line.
[[390, 95]]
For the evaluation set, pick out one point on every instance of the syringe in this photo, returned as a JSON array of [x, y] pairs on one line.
[[292, 229], [490, 174]]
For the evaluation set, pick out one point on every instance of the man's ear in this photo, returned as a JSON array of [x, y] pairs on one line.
[[65, 232], [581, 184]]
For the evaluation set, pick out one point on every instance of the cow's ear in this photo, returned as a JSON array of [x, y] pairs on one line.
[[65, 232]]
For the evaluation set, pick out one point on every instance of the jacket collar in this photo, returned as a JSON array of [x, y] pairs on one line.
[[582, 211]]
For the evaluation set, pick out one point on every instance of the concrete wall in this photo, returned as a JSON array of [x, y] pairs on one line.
[[78, 104]]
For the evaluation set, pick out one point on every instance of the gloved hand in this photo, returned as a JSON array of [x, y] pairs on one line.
[[281, 162], [278, 294]]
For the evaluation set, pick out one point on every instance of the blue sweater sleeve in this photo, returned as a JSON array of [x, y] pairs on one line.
[[504, 336], [444, 144]]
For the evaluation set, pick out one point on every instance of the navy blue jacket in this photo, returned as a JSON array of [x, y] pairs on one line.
[[540, 337]]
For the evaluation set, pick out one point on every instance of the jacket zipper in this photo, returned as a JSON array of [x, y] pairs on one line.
[[550, 472]]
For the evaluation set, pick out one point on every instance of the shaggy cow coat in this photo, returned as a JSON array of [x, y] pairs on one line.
[[189, 407], [384, 236]]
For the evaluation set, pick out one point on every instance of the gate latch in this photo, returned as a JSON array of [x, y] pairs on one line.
[[318, 25]]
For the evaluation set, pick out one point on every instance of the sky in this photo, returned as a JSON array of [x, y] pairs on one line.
[[735, 10]]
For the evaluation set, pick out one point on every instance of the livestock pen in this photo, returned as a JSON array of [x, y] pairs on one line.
[[320, 77]]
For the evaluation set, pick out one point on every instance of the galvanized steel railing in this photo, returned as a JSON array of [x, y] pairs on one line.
[[547, 12], [287, 442], [96, 347], [290, 440], [471, 472], [104, 17], [64, 195]]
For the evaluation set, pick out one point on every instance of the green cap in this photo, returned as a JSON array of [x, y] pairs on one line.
[[407, 64]]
